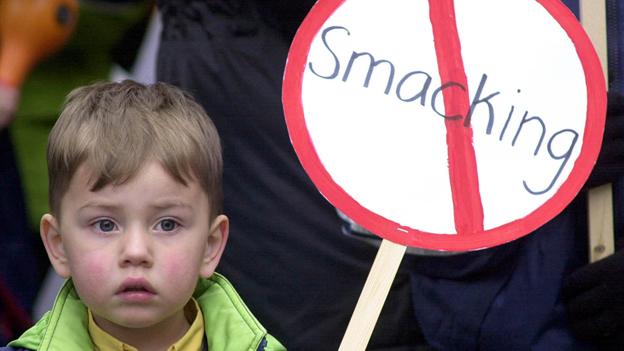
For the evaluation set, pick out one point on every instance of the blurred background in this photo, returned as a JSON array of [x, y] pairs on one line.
[[94, 40]]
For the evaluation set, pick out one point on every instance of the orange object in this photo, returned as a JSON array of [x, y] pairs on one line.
[[30, 30]]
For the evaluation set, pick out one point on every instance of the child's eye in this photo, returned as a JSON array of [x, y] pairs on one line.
[[105, 225], [167, 225]]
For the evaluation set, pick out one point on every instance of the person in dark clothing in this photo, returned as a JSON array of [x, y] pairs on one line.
[[538, 292], [594, 294], [21, 270], [286, 253]]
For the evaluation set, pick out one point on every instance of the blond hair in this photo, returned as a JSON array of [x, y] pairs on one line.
[[115, 128]]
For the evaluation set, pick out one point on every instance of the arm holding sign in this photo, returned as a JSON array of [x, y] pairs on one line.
[[595, 301], [506, 297]]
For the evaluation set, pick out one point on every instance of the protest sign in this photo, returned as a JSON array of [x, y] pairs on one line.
[[445, 125], [441, 124]]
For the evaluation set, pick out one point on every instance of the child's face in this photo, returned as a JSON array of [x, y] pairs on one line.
[[136, 250]]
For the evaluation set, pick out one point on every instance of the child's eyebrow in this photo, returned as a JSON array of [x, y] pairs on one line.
[[163, 205], [160, 205], [97, 204]]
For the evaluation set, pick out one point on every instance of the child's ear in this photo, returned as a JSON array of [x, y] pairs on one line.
[[53, 242], [219, 231]]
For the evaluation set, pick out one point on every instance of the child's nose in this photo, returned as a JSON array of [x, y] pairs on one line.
[[136, 247]]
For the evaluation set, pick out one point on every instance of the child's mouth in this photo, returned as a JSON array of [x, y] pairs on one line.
[[136, 290]]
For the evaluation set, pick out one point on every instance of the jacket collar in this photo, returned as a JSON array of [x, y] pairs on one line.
[[228, 323]]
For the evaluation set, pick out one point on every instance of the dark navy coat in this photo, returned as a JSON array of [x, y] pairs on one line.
[[509, 297]]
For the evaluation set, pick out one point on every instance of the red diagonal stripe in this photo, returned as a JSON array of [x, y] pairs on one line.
[[464, 178]]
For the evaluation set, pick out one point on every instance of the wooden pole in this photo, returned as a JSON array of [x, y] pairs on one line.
[[373, 296], [600, 199]]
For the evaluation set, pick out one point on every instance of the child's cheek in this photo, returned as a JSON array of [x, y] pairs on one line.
[[181, 268], [94, 269], [97, 269], [91, 277]]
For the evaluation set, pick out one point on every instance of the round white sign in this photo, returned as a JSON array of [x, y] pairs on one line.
[[441, 124]]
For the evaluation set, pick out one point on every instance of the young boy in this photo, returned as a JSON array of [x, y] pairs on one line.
[[135, 224]]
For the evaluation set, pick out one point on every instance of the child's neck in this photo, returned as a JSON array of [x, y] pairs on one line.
[[158, 337]]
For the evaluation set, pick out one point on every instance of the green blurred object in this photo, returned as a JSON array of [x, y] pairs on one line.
[[85, 59]]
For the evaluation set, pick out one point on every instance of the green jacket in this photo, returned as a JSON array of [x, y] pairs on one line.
[[229, 324]]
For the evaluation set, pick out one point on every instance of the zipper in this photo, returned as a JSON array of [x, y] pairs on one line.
[[263, 344]]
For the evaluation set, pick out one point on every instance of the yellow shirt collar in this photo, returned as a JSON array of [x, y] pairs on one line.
[[191, 341]]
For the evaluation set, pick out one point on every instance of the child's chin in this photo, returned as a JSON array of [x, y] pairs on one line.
[[135, 320]]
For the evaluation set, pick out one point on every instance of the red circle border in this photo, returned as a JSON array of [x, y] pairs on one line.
[[388, 229]]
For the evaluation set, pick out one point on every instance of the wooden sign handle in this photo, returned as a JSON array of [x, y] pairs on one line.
[[373, 296], [600, 199]]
